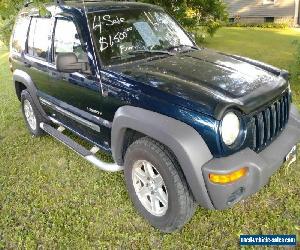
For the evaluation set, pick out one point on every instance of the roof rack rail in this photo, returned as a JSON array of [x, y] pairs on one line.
[[62, 2], [28, 2]]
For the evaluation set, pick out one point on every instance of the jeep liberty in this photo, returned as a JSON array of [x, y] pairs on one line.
[[188, 125]]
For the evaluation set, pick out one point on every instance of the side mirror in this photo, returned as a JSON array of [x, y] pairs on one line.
[[68, 63]]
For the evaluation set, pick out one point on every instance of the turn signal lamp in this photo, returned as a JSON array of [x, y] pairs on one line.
[[228, 178]]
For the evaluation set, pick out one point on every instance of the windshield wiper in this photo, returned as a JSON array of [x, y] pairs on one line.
[[182, 46], [159, 52], [141, 52]]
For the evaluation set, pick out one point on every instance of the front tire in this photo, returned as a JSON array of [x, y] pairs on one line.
[[31, 115], [157, 186]]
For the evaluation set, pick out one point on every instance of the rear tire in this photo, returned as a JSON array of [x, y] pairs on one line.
[[31, 114], [157, 186]]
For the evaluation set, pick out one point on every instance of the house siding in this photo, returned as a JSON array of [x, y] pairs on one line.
[[257, 8]]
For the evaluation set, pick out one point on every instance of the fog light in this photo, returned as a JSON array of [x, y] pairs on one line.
[[227, 178]]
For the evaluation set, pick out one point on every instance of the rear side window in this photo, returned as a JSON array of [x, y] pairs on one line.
[[20, 34], [38, 38]]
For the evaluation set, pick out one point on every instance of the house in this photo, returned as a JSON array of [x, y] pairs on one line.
[[258, 11]]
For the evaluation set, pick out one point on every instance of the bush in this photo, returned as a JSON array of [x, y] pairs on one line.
[[210, 15], [6, 28], [259, 25], [8, 13]]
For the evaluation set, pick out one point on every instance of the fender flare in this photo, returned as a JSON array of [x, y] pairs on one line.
[[184, 141], [24, 78]]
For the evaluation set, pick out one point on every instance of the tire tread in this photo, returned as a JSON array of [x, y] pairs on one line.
[[186, 201]]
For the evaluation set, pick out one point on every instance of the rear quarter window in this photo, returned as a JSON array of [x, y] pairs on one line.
[[20, 34], [39, 37]]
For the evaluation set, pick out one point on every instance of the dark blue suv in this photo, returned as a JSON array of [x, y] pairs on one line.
[[188, 125]]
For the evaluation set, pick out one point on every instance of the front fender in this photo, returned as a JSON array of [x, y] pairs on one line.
[[184, 141]]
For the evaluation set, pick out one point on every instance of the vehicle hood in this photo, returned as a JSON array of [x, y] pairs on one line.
[[210, 81]]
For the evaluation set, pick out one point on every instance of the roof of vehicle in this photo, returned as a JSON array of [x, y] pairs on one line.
[[97, 6], [108, 5]]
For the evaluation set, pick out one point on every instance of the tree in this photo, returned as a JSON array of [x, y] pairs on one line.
[[8, 13], [203, 16], [8, 10]]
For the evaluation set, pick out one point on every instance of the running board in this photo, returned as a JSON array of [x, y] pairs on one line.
[[82, 151]]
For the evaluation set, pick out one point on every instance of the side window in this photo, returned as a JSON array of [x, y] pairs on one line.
[[38, 38], [20, 34], [66, 39]]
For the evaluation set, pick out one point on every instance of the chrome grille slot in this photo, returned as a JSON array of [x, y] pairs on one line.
[[260, 130], [286, 105], [269, 123], [273, 120], [281, 114], [277, 107]]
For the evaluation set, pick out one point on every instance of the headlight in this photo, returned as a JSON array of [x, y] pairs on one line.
[[230, 128]]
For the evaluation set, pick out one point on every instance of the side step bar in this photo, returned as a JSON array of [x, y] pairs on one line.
[[88, 155]]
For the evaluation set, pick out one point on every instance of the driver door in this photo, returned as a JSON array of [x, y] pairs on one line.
[[70, 97]]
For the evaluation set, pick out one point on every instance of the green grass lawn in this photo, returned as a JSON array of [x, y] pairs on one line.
[[51, 198]]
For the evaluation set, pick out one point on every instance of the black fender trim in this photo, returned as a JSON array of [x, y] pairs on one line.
[[184, 141], [24, 78]]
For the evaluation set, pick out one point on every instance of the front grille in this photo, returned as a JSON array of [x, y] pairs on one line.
[[269, 123]]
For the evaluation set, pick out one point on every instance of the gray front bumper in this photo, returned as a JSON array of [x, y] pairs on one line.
[[261, 166]]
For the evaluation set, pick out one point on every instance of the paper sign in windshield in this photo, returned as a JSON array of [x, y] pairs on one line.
[[146, 33]]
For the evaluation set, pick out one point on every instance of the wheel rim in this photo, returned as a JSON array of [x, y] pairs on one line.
[[150, 188], [29, 114]]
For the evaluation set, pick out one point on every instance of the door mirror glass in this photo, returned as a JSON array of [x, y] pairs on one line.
[[69, 53], [68, 63]]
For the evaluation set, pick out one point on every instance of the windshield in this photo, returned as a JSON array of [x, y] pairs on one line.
[[123, 35]]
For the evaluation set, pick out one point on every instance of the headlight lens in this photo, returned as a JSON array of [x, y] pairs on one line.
[[230, 128]]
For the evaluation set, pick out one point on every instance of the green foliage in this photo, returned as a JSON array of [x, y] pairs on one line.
[[260, 25], [8, 12], [207, 14], [296, 43], [295, 70], [5, 29]]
